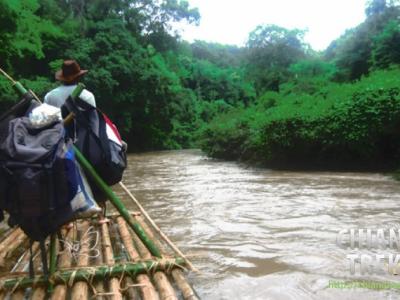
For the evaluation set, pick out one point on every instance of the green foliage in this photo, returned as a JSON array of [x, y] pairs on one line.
[[385, 50], [358, 51], [270, 51], [309, 76], [313, 68], [31, 30], [113, 39], [8, 27], [375, 7], [129, 78], [221, 55], [213, 83], [351, 124], [209, 81], [274, 101]]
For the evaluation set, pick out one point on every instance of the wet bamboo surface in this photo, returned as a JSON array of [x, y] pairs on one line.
[[88, 244]]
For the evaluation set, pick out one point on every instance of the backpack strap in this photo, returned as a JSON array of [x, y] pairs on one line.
[[43, 255], [49, 185], [31, 270]]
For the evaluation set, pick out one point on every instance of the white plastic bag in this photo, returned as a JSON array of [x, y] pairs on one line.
[[44, 115]]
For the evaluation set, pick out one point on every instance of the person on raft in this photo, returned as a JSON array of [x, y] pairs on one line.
[[69, 76]]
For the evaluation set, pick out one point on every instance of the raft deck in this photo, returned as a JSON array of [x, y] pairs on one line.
[[95, 258]]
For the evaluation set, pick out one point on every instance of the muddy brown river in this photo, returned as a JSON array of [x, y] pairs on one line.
[[262, 234]]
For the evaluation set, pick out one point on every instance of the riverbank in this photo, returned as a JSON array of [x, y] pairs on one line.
[[342, 127]]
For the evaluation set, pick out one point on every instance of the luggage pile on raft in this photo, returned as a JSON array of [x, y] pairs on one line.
[[54, 183]]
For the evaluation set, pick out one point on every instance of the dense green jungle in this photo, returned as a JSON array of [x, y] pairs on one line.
[[274, 102]]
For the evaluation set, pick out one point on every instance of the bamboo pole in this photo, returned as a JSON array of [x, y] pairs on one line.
[[109, 260], [53, 259], [69, 118], [163, 285], [7, 76], [53, 254], [23, 261], [39, 293], [99, 284], [150, 233], [18, 295], [156, 228], [12, 246], [80, 290], [100, 272], [15, 84], [147, 290], [130, 292], [128, 288], [9, 244], [13, 235], [21, 265], [65, 261], [117, 203], [5, 232], [188, 292], [126, 239]]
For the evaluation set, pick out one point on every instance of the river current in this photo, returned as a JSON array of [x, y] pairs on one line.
[[262, 234]]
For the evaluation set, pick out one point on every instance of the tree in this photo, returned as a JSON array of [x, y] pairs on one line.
[[8, 26], [386, 49], [353, 51], [374, 7], [309, 76], [119, 42], [221, 55], [145, 19], [270, 51]]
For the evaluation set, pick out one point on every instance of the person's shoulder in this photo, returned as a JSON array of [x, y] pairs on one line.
[[50, 94], [55, 91]]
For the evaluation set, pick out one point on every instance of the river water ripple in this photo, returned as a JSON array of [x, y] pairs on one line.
[[263, 234]]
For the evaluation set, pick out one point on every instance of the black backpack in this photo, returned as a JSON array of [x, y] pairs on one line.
[[35, 189], [34, 176], [20, 109], [98, 140]]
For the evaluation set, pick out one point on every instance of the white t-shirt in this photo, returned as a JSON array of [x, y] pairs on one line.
[[58, 96]]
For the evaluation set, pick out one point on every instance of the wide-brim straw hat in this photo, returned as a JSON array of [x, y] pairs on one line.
[[70, 71]]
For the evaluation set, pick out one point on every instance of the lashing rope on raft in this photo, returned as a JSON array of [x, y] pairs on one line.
[[75, 246]]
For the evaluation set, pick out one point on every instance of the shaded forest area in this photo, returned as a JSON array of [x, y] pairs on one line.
[[275, 101]]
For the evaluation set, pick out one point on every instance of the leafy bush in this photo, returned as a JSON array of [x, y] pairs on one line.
[[344, 125]]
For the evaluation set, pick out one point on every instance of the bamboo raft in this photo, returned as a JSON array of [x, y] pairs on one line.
[[99, 258], [120, 256]]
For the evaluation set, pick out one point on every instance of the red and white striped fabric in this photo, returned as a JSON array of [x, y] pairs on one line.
[[112, 131]]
